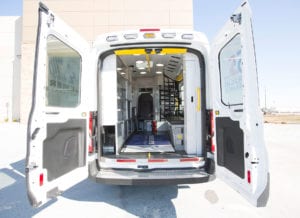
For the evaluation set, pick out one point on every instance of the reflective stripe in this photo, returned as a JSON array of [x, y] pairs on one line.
[[157, 160], [189, 159], [126, 160]]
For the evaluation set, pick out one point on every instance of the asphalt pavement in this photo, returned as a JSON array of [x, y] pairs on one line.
[[213, 199]]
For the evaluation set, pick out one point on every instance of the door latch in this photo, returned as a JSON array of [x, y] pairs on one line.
[[236, 18], [50, 20], [31, 167], [35, 132]]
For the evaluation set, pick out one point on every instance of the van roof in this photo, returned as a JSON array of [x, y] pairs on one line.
[[151, 35]]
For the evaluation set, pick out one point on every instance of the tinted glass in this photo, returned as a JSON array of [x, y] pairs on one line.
[[63, 74], [230, 60]]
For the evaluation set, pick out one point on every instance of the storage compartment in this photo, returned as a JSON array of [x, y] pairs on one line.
[[144, 87], [177, 135], [108, 140]]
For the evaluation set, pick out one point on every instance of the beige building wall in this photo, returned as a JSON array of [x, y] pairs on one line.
[[93, 17], [10, 59]]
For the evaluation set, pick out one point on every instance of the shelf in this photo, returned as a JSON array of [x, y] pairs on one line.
[[168, 98]]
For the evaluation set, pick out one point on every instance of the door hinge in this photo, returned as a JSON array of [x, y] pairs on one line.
[[236, 18], [31, 167], [50, 20]]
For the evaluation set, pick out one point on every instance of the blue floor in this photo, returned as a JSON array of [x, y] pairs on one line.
[[143, 139]]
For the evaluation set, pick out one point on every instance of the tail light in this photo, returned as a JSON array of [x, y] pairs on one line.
[[212, 131], [249, 176], [91, 147], [154, 126], [41, 179]]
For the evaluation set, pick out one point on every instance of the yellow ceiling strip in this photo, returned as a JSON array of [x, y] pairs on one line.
[[130, 51], [173, 51], [141, 51]]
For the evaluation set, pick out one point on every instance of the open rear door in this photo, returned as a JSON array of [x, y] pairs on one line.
[[240, 150], [56, 138]]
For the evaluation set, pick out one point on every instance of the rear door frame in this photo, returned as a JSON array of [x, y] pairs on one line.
[[60, 130], [241, 156]]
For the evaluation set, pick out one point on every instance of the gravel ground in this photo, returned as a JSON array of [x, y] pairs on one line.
[[214, 199]]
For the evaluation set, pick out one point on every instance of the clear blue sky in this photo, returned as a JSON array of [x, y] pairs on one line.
[[11, 7], [277, 40]]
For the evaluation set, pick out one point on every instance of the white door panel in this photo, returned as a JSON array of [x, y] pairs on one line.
[[57, 127], [192, 104], [240, 153]]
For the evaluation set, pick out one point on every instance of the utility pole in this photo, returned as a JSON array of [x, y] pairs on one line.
[[265, 98]]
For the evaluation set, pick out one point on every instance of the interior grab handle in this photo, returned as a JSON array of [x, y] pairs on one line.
[[35, 132]]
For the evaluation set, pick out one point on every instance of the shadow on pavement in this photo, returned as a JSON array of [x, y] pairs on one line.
[[13, 195], [141, 201]]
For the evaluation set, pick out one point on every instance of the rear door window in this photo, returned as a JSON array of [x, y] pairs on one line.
[[63, 74], [231, 72]]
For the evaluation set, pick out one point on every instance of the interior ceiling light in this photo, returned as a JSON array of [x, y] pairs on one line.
[[159, 65], [158, 72], [122, 73], [119, 68], [143, 64], [143, 72]]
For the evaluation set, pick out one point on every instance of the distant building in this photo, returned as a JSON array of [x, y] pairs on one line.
[[93, 17], [10, 67]]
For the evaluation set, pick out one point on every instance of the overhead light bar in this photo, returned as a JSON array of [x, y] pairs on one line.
[[112, 38], [131, 36], [149, 35], [187, 36], [168, 35]]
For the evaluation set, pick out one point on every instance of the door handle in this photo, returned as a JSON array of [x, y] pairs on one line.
[[238, 110], [35, 132], [52, 113]]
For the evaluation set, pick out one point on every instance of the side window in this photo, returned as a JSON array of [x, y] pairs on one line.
[[63, 74], [230, 61]]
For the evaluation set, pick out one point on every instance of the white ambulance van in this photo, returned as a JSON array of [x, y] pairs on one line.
[[145, 107]]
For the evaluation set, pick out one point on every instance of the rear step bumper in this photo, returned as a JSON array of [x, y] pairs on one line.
[[154, 177]]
